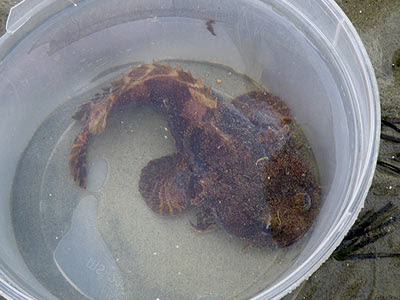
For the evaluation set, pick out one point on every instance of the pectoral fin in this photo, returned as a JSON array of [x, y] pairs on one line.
[[164, 183]]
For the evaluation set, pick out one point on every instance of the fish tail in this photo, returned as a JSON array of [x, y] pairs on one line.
[[77, 157]]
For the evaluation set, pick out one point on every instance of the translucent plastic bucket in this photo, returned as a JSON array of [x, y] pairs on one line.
[[306, 52]]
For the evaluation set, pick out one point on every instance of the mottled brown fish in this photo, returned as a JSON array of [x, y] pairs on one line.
[[236, 161]]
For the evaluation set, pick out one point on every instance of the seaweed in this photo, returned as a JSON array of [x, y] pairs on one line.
[[370, 227], [392, 168]]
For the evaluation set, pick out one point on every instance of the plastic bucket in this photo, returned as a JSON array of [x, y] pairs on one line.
[[307, 52]]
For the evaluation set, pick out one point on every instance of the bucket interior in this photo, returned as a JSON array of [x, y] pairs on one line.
[[70, 55]]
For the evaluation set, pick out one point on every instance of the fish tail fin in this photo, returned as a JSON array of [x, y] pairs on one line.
[[77, 158]]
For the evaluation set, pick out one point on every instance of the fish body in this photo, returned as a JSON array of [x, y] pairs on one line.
[[236, 162]]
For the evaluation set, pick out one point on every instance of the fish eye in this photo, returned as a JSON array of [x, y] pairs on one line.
[[303, 201]]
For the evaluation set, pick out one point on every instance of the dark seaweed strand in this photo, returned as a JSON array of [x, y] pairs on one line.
[[368, 229], [369, 217], [355, 239], [387, 137], [393, 139], [361, 241], [372, 255], [390, 125], [346, 253], [394, 120], [372, 221], [389, 167]]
